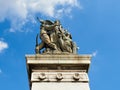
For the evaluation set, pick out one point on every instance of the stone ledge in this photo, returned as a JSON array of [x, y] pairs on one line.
[[57, 55], [58, 59]]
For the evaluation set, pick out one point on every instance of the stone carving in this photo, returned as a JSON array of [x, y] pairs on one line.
[[54, 38], [76, 76], [42, 76], [59, 76]]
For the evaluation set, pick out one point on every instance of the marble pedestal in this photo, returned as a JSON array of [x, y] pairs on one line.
[[58, 72]]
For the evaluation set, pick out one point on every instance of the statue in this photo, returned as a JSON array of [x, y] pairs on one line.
[[54, 38]]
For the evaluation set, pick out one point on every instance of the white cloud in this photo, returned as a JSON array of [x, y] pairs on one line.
[[49, 7], [94, 53], [19, 12], [12, 8], [3, 46]]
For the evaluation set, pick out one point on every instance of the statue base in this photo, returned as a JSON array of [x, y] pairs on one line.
[[58, 72]]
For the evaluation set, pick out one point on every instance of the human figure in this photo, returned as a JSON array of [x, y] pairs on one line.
[[44, 36], [66, 43], [55, 38]]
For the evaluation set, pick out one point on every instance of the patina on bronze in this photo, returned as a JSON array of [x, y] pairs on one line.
[[54, 38]]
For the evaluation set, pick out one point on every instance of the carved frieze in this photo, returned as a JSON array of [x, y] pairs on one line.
[[59, 76]]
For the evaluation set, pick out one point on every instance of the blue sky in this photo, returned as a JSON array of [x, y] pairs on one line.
[[94, 25]]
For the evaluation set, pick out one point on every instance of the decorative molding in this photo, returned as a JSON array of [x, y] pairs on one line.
[[59, 76]]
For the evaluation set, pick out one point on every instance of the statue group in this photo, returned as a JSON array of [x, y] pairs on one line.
[[54, 38]]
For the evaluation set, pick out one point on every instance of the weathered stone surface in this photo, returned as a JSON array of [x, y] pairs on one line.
[[68, 70], [54, 38], [52, 76], [83, 60], [60, 86]]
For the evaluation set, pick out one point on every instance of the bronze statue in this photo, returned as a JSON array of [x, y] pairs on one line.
[[55, 39]]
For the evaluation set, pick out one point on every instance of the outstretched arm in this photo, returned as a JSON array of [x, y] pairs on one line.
[[40, 20]]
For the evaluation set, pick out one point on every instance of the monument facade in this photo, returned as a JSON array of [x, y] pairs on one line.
[[56, 64]]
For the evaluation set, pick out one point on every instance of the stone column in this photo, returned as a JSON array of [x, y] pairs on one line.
[[58, 72]]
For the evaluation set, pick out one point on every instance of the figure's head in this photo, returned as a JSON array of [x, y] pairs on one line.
[[57, 22], [68, 35]]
